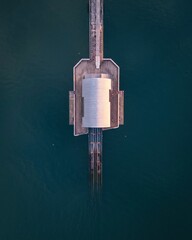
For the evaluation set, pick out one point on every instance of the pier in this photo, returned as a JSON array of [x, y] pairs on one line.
[[101, 107]]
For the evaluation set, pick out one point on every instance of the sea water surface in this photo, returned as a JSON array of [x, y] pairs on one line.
[[44, 180]]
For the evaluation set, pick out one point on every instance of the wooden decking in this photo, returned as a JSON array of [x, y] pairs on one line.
[[96, 30]]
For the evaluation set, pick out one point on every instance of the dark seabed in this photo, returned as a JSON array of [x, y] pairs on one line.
[[44, 183]]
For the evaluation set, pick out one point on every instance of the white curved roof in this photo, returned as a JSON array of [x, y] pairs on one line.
[[95, 92]]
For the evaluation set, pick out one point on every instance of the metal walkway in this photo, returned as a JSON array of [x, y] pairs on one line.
[[95, 152]]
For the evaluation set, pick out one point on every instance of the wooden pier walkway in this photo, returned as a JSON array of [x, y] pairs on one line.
[[96, 31]]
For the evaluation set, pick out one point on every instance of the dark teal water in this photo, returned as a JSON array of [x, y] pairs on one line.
[[44, 190]]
